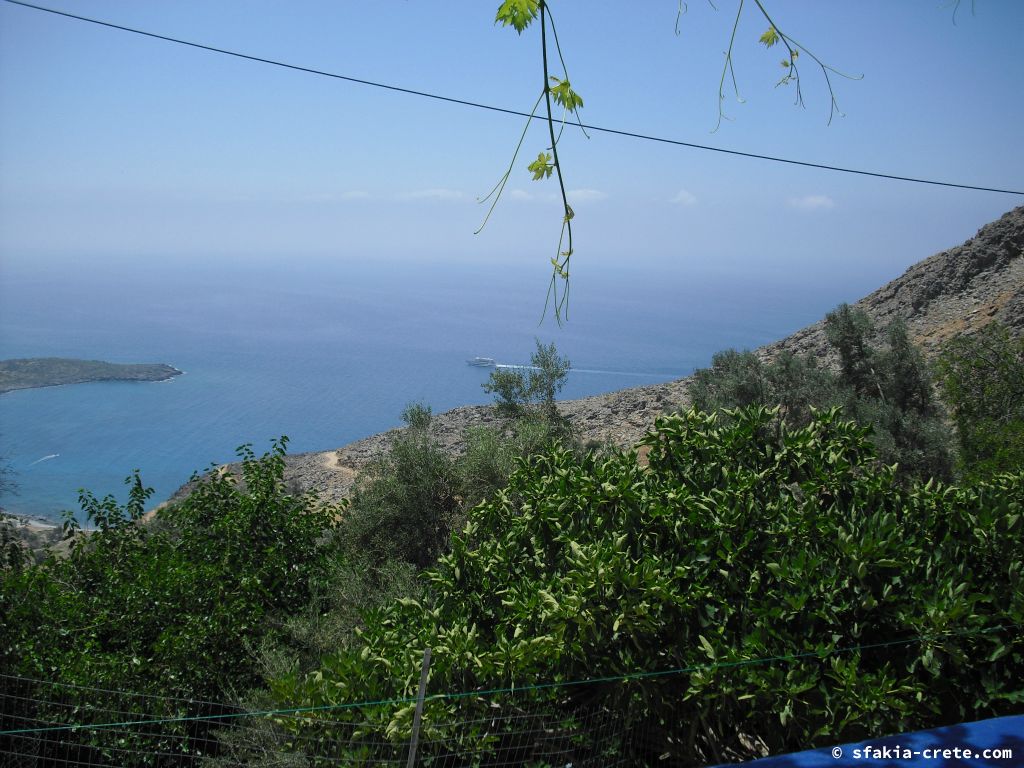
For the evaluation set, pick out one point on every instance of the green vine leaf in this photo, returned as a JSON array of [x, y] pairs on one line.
[[770, 37], [564, 95], [517, 14], [542, 167]]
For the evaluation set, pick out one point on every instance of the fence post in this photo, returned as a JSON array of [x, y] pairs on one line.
[[414, 740]]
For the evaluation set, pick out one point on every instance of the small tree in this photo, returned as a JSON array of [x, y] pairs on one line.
[[982, 380], [847, 330], [532, 391]]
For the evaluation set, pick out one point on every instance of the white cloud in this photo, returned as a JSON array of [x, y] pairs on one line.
[[519, 194], [585, 195], [812, 202], [435, 194], [684, 197], [355, 194]]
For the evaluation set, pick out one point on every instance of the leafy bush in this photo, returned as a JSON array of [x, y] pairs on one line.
[[982, 379], [742, 540], [739, 379], [407, 502], [888, 388], [492, 455], [400, 521], [169, 606]]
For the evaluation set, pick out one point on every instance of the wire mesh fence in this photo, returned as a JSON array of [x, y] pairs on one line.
[[580, 723], [49, 723], [54, 724]]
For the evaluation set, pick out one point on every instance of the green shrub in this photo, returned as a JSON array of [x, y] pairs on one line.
[[13, 553], [888, 388], [739, 379], [168, 606], [744, 539], [400, 521], [847, 330], [982, 379], [407, 502], [492, 455], [518, 393]]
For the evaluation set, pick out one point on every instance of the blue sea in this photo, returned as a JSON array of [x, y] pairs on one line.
[[326, 352]]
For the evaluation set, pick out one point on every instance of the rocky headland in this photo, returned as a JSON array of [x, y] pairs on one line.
[[32, 372]]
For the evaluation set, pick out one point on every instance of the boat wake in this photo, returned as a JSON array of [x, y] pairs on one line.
[[588, 370], [45, 458]]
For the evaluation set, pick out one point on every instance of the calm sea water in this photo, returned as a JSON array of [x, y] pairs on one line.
[[323, 352]]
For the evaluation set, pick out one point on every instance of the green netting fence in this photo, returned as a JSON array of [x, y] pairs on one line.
[[577, 723], [45, 723]]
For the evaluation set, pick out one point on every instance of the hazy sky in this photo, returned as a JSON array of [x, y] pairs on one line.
[[116, 144]]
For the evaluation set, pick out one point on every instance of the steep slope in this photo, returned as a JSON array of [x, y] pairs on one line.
[[953, 292]]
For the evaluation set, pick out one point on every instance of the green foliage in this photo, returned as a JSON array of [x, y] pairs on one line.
[[492, 456], [542, 167], [847, 330], [735, 379], [12, 550], [888, 388], [354, 586], [744, 539], [907, 381], [417, 416], [518, 393], [169, 606], [517, 13], [899, 403], [564, 95], [738, 379], [400, 521], [407, 503], [769, 38], [982, 379]]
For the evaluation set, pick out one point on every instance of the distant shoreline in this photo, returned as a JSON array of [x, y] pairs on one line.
[[39, 372]]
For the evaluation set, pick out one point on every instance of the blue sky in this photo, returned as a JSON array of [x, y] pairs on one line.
[[115, 145]]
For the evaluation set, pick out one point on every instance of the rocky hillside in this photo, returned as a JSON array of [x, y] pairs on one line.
[[948, 294], [953, 292]]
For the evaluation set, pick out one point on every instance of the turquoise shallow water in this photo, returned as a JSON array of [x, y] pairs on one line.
[[324, 352]]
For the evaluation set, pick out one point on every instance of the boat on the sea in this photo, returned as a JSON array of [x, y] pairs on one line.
[[483, 362]]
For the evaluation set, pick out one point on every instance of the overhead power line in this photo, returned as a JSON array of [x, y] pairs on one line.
[[503, 110]]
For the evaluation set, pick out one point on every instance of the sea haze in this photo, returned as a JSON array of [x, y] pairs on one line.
[[325, 352]]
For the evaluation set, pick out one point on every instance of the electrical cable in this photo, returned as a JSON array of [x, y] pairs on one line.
[[503, 110]]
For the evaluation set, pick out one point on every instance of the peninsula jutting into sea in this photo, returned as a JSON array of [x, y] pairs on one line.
[[31, 372]]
